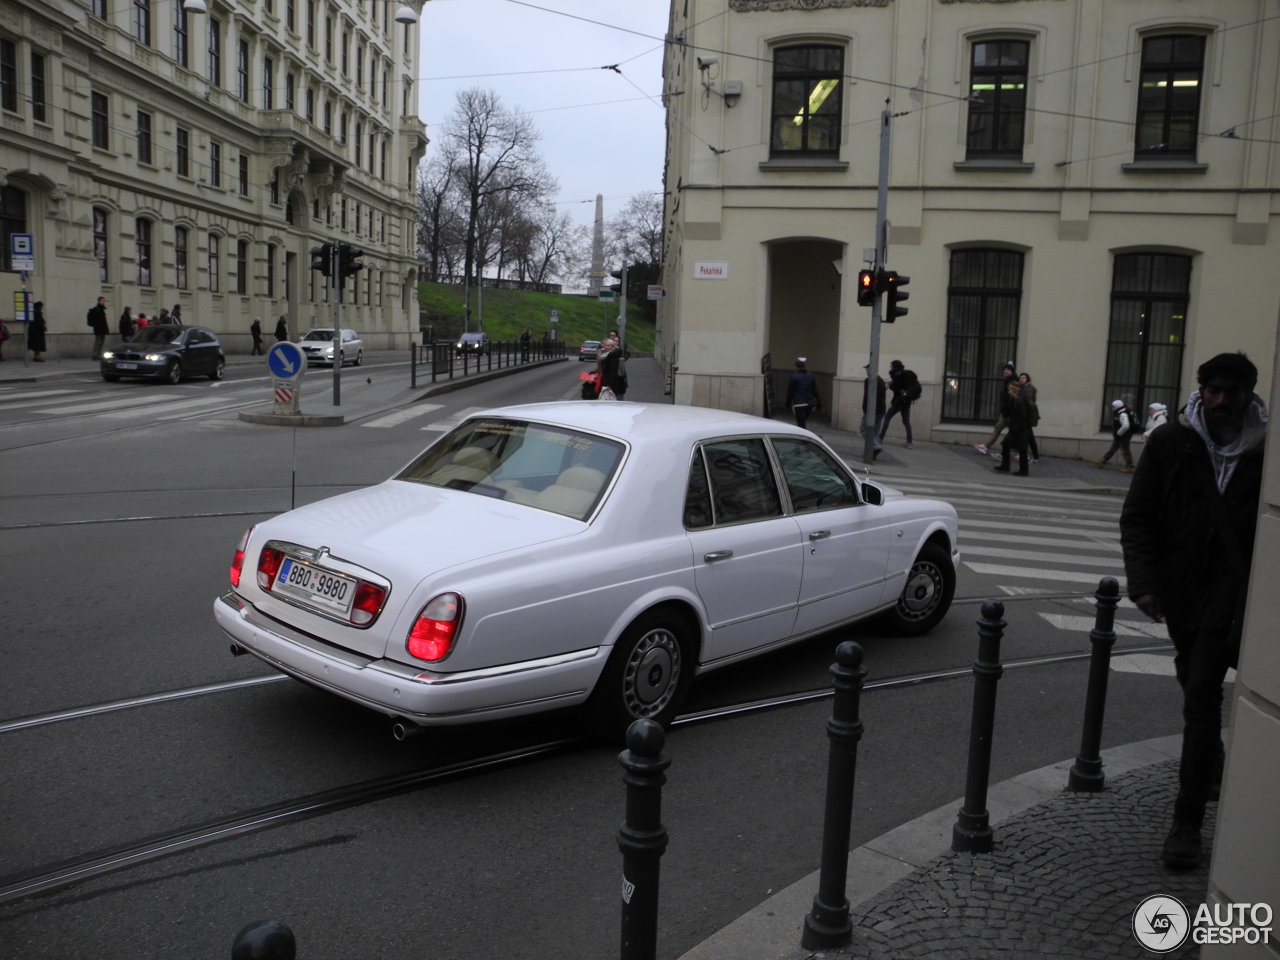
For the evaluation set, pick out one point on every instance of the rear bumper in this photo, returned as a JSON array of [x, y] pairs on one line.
[[413, 692]]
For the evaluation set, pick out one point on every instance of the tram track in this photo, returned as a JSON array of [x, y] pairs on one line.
[[49, 878]]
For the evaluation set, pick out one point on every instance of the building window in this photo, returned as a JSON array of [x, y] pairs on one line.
[[1149, 293], [984, 297], [98, 8], [342, 131], [100, 114], [181, 50], [13, 219], [215, 261], [242, 267], [8, 74], [184, 151], [215, 51], [142, 21], [215, 163], [144, 137], [360, 65], [1169, 97], [997, 98], [37, 87], [268, 83], [291, 15], [242, 70], [244, 175], [311, 105], [345, 48], [327, 126], [180, 257], [311, 24], [386, 84], [328, 38], [273, 187], [100, 242], [290, 91], [271, 270], [359, 144], [807, 91], [142, 250]]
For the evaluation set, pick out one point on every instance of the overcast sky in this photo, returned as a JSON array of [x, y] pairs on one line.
[[602, 132]]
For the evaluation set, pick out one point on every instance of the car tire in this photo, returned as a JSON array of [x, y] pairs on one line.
[[926, 596], [359, 358], [174, 373], [111, 377], [219, 369], [647, 676]]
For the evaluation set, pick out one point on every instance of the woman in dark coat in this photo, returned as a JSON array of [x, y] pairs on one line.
[[36, 330], [1017, 415]]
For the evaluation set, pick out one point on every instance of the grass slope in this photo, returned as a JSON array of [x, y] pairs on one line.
[[503, 314]]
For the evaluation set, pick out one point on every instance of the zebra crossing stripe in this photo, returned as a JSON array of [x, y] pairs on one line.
[[134, 401], [1025, 573], [1123, 628], [1034, 556], [397, 417]]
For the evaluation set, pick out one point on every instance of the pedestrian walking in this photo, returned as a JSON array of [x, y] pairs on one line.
[[1033, 410], [1009, 373], [802, 392], [1122, 430], [906, 390], [36, 331], [1187, 530], [175, 317], [96, 319], [1157, 416], [1017, 418], [255, 331], [127, 325], [880, 408], [282, 329], [612, 367]]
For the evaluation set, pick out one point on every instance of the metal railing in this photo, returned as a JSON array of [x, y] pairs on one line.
[[443, 359]]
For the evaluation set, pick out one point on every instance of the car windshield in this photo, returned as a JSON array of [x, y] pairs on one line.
[[591, 345], [323, 335], [552, 468], [158, 335], [472, 336]]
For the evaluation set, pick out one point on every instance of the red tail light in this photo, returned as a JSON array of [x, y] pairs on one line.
[[268, 566], [368, 602], [237, 561], [433, 632]]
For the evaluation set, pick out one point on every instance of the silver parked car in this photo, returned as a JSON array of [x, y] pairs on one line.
[[593, 555], [318, 345]]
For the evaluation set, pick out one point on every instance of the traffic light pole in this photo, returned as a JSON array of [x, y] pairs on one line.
[[336, 280], [870, 421]]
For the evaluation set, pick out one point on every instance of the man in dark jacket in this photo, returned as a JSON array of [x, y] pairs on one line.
[[97, 321], [1187, 529], [1017, 416], [905, 387]]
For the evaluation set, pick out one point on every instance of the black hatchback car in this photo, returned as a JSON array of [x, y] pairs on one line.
[[166, 352], [472, 343]]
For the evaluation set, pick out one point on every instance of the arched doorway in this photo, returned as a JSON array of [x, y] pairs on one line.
[[803, 314]]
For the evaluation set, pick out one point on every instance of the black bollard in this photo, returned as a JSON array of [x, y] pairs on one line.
[[827, 924], [1086, 773], [265, 940], [642, 838], [972, 832]]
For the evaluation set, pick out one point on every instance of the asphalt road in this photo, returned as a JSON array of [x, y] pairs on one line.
[[117, 525]]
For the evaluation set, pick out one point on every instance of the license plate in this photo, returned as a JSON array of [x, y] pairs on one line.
[[126, 366], [316, 586]]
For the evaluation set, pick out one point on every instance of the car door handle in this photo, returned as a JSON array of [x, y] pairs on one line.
[[715, 555], [819, 534]]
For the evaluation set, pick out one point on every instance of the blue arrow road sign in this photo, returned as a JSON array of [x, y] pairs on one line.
[[285, 360]]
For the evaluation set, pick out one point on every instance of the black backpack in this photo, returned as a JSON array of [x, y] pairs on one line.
[[911, 389]]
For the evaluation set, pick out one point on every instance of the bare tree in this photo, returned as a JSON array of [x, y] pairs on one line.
[[496, 155], [441, 216], [636, 232]]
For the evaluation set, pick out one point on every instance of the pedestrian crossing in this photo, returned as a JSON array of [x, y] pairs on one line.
[[1041, 542], [153, 403]]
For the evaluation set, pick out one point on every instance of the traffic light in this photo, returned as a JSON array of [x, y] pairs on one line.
[[348, 262], [867, 290], [616, 287], [322, 258], [893, 284]]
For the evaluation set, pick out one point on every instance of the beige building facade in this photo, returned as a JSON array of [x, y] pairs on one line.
[[158, 154], [1088, 188]]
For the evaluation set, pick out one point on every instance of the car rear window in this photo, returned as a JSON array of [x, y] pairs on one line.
[[551, 468]]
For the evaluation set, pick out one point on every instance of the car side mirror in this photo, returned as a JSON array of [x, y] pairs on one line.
[[872, 494]]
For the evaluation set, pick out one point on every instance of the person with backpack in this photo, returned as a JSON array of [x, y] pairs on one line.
[[906, 390], [802, 392], [96, 320], [1123, 426]]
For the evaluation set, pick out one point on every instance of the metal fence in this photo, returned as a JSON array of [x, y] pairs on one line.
[[444, 359]]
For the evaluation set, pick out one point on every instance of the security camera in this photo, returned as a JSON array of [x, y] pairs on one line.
[[706, 63]]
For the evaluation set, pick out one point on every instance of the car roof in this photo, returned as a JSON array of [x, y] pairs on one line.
[[646, 422], [472, 336]]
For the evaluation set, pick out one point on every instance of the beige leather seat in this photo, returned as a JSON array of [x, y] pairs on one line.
[[469, 464], [573, 493]]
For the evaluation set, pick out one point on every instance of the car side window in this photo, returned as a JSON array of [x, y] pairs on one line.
[[742, 483], [814, 480], [697, 497]]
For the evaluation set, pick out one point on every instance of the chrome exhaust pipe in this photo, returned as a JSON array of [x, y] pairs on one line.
[[402, 730]]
